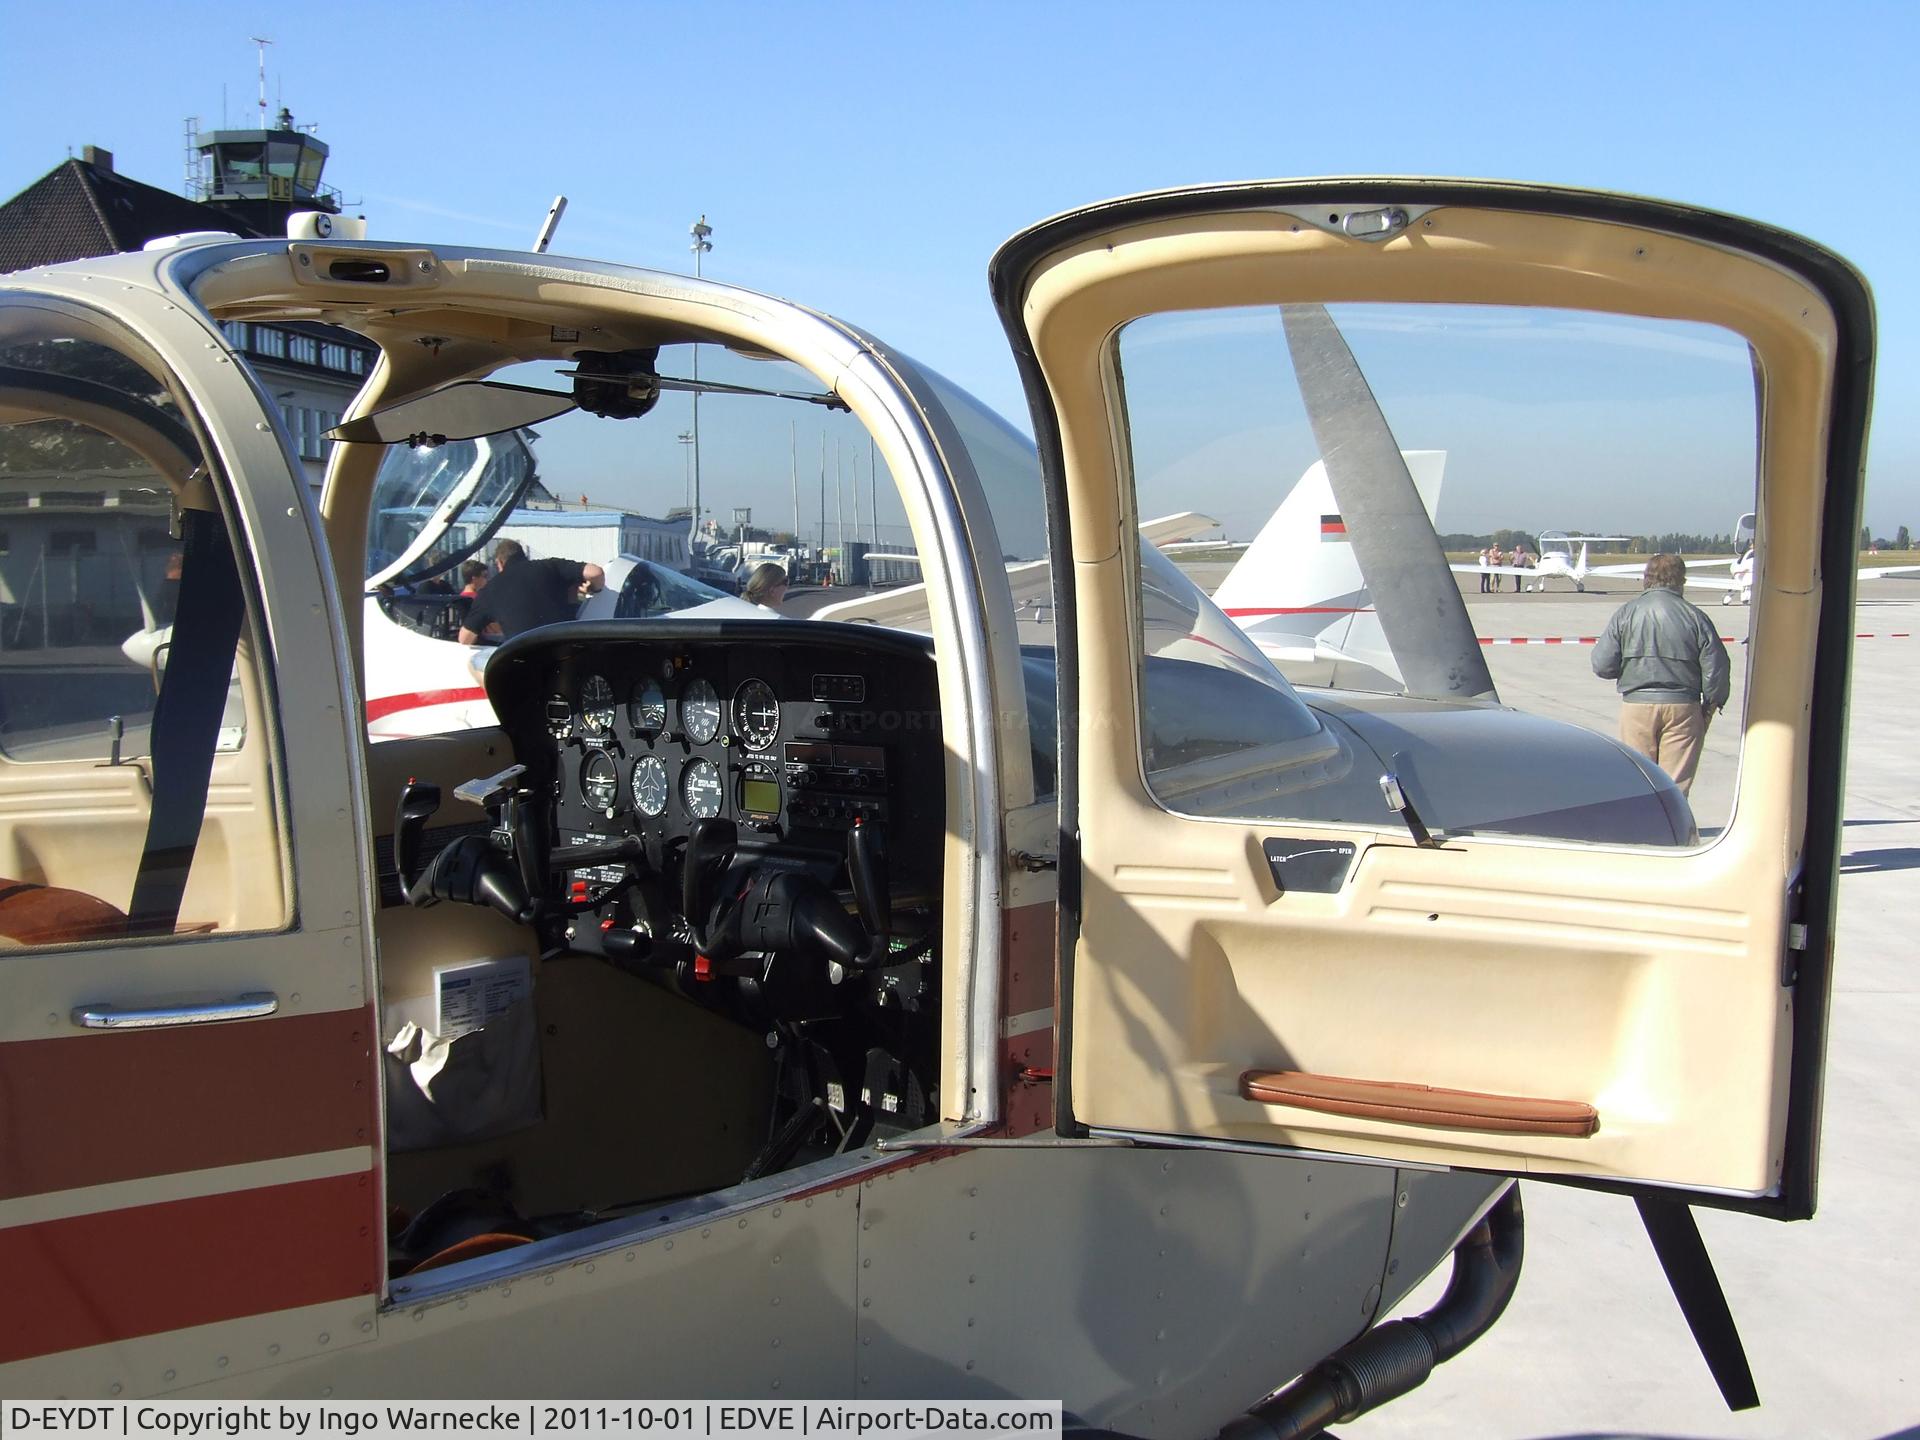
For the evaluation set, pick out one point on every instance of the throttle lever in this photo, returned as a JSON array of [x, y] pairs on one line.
[[867, 869], [418, 801]]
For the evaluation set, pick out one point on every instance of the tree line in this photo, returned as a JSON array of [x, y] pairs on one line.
[[1674, 542]]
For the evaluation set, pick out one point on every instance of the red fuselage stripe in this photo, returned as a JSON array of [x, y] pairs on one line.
[[1239, 611], [97, 1279], [418, 700], [94, 1108]]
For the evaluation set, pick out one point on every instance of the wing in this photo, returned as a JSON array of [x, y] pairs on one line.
[[1171, 529]]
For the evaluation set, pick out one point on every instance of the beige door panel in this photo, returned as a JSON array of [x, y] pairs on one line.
[[1485, 968], [413, 943], [445, 760], [1522, 1006], [82, 826], [78, 826], [1644, 984]]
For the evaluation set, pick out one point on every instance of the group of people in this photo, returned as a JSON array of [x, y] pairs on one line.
[[1493, 555], [523, 594], [516, 593]]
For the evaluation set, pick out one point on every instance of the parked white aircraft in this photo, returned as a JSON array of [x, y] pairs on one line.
[[1557, 562], [1737, 583], [1297, 589]]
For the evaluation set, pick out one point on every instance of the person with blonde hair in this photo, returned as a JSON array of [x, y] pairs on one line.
[[1671, 669], [766, 586]]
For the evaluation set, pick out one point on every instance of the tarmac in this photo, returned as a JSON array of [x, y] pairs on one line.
[[1593, 1346]]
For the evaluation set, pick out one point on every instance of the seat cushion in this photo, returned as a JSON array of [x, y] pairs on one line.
[[33, 914]]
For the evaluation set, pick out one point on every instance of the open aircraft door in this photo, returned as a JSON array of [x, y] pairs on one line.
[[1596, 1012], [189, 1173]]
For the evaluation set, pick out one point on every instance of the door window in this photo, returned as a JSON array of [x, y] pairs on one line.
[[103, 490], [1455, 506]]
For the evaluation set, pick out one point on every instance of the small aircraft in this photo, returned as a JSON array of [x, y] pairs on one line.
[[1557, 561], [820, 1008], [1736, 586]]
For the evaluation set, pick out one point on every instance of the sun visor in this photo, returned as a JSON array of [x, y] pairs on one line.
[[462, 410]]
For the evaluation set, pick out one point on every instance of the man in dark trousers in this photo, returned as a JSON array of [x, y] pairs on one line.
[[526, 594], [1671, 669]]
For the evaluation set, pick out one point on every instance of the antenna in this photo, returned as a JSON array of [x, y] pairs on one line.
[[549, 225], [262, 42], [190, 184]]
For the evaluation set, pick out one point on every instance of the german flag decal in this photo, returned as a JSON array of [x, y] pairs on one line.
[[1332, 527]]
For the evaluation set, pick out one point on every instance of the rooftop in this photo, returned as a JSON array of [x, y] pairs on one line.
[[81, 208]]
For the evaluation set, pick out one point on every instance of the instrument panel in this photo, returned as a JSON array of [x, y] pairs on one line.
[[793, 730]]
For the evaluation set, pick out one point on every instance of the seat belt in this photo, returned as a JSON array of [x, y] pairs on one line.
[[186, 718]]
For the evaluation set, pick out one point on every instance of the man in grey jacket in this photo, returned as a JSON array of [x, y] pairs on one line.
[[1671, 668]]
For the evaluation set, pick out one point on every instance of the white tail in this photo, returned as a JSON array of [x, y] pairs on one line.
[[1298, 591]]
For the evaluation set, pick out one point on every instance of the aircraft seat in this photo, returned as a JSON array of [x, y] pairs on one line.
[[32, 914]]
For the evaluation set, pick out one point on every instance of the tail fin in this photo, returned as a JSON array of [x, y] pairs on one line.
[[1298, 591]]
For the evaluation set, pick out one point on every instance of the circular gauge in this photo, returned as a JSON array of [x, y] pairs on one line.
[[596, 705], [700, 789], [647, 710], [600, 781], [650, 785], [756, 714], [700, 712]]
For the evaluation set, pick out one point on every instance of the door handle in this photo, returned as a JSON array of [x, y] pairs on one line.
[[251, 1006]]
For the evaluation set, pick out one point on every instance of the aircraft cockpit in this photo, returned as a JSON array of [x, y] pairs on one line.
[[717, 837], [748, 814]]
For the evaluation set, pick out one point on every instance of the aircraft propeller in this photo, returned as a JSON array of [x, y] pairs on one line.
[[1414, 593]]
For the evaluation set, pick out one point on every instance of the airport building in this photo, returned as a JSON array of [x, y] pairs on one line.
[[597, 535]]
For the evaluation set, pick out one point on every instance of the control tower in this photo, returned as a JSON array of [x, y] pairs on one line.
[[265, 175]]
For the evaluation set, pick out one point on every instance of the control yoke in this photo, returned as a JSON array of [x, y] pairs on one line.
[[771, 909], [473, 870]]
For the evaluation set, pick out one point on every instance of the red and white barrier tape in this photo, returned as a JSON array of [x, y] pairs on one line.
[[1594, 639]]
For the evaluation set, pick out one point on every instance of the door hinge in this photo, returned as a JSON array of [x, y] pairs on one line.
[[1797, 933], [1033, 864]]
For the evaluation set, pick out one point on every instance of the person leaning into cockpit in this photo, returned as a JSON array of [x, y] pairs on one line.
[[766, 586], [526, 594]]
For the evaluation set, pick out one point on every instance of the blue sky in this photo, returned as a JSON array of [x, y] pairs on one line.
[[867, 159]]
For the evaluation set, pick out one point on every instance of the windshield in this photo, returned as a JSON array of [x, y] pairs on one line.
[[434, 505], [655, 590], [1212, 699]]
